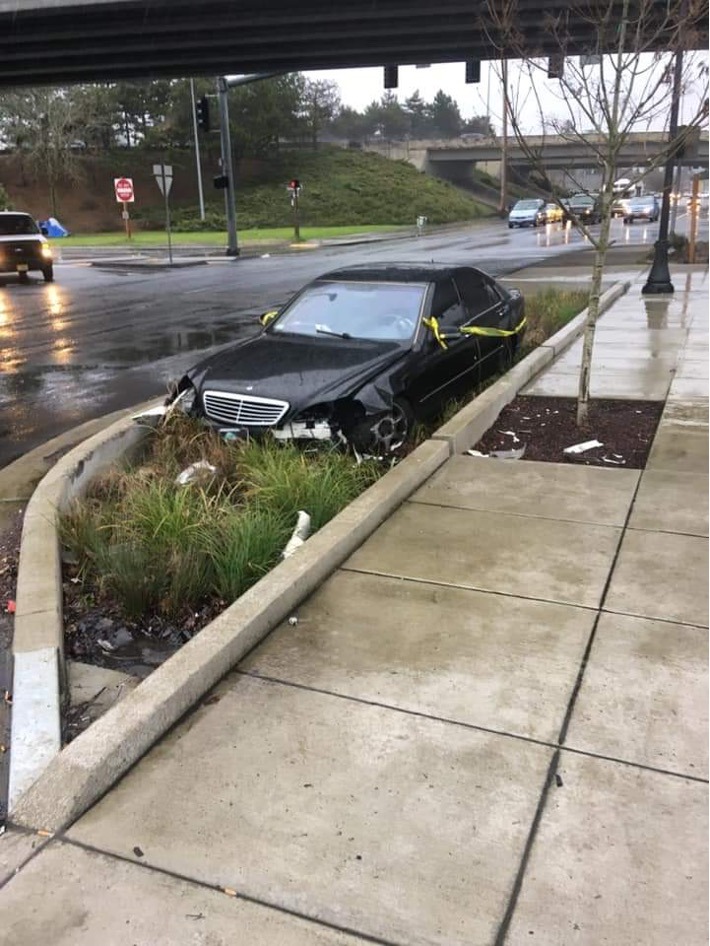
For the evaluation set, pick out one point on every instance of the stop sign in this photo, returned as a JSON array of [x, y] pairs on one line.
[[124, 189]]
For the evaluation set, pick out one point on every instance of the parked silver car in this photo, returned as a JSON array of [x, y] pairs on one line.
[[527, 213]]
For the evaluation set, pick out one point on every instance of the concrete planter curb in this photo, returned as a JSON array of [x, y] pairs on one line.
[[471, 423], [50, 788]]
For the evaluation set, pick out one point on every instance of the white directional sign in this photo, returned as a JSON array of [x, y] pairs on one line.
[[164, 176]]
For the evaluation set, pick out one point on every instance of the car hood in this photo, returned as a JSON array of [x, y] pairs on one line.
[[296, 368]]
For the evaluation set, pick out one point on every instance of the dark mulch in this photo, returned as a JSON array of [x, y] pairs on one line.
[[546, 425]]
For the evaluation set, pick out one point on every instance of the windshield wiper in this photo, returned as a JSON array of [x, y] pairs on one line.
[[326, 331]]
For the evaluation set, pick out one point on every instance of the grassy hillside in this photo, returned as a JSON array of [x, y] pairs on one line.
[[339, 187]]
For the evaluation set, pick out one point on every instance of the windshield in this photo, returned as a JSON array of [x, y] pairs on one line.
[[641, 201], [582, 199], [527, 205], [17, 224], [375, 311]]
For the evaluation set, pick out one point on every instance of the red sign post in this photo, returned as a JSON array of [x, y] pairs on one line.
[[123, 186]]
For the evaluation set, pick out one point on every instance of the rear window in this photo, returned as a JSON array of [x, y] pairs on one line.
[[12, 224]]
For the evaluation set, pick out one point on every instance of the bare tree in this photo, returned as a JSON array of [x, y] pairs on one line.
[[608, 80]]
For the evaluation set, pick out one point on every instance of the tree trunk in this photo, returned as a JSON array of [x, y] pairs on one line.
[[593, 315]]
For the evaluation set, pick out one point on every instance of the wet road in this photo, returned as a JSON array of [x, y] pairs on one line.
[[101, 339]]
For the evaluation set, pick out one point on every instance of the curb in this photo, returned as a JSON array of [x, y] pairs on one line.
[[50, 788]]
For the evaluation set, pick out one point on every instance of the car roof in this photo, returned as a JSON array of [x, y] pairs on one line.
[[15, 213], [396, 272]]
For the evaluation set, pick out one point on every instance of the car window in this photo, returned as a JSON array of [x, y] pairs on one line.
[[446, 306], [375, 311], [478, 295], [527, 205], [20, 224]]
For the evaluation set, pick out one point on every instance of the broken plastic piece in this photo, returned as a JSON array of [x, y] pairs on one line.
[[583, 447], [293, 620], [152, 415], [200, 472], [516, 454], [11, 606], [476, 453], [300, 534], [510, 433]]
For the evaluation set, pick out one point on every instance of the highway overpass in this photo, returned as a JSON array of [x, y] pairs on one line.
[[450, 158], [60, 41]]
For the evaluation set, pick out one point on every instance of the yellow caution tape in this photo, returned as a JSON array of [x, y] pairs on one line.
[[433, 324], [268, 316], [487, 331], [490, 332]]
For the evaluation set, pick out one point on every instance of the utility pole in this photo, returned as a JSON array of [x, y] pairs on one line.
[[197, 151], [227, 166], [503, 205]]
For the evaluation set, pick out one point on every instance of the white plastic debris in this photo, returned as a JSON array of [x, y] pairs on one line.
[[200, 472], [293, 620], [300, 534], [510, 433], [476, 453], [152, 416], [583, 447], [516, 454], [266, 256]]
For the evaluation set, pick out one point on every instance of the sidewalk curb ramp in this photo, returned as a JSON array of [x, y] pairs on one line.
[[51, 787]]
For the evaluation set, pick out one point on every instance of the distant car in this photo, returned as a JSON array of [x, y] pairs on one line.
[[702, 202], [553, 213], [358, 355], [642, 208], [620, 206], [23, 247], [527, 213], [583, 206]]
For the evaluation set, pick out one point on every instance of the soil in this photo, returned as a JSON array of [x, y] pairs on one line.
[[545, 426]]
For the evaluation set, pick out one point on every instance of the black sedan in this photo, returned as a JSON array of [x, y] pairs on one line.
[[358, 354]]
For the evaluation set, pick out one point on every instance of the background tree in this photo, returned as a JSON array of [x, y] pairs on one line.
[[600, 103], [444, 116], [41, 124], [320, 104], [418, 112]]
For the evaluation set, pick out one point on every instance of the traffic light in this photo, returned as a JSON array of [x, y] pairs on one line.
[[202, 113], [473, 70], [391, 77]]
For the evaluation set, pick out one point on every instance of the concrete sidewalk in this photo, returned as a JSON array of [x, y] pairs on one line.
[[489, 726]]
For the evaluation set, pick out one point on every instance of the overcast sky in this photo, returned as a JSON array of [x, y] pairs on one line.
[[359, 87]]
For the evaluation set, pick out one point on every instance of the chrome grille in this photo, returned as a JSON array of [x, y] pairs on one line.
[[243, 410]]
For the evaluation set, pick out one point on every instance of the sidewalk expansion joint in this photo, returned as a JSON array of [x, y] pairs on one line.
[[488, 591], [524, 515], [632, 614], [240, 895]]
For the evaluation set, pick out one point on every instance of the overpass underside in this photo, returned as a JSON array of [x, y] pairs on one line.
[[61, 41]]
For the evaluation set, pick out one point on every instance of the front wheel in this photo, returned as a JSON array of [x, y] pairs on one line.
[[23, 277], [48, 273], [386, 433]]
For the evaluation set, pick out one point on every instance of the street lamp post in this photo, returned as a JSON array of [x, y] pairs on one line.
[[659, 278]]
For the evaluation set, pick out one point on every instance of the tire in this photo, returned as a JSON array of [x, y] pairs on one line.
[[23, 277], [388, 433], [48, 273], [510, 226], [627, 221]]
